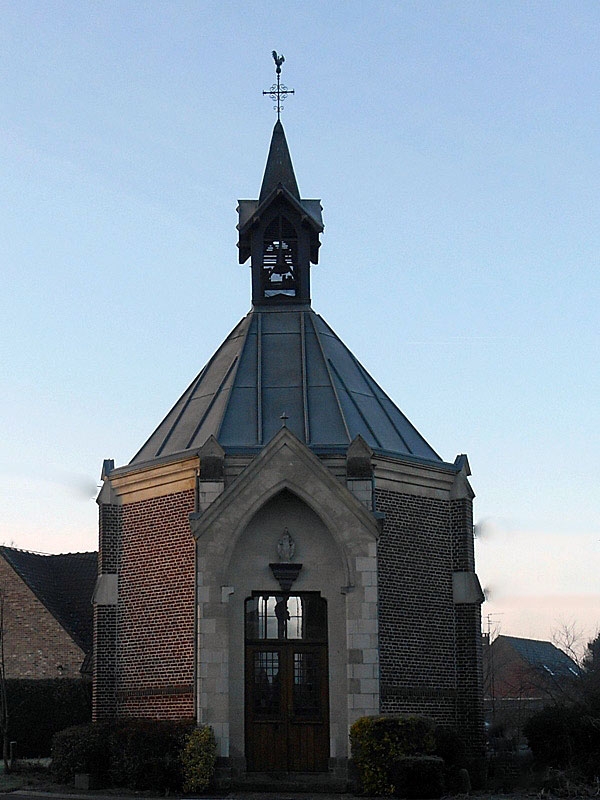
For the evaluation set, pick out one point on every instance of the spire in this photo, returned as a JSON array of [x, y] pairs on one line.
[[279, 232], [279, 169]]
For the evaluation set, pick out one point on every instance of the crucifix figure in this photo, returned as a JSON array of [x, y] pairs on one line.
[[278, 92]]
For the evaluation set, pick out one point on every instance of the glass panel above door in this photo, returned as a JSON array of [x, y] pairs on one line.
[[299, 617]]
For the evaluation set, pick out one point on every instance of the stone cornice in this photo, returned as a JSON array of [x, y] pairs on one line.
[[423, 480], [157, 481]]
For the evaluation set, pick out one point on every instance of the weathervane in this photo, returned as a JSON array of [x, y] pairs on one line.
[[278, 92]]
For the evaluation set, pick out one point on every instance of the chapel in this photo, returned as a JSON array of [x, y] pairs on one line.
[[286, 553]]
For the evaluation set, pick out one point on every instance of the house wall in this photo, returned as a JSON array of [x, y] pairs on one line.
[[35, 644], [430, 645]]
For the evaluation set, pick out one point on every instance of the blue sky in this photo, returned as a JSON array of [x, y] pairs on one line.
[[456, 149]]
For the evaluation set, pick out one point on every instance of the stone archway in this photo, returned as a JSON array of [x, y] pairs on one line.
[[284, 486], [286, 719]]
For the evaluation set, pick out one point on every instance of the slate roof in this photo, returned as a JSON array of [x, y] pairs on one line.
[[543, 656], [64, 584], [285, 360], [279, 170]]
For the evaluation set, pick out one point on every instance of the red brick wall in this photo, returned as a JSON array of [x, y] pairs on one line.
[[155, 616], [35, 645]]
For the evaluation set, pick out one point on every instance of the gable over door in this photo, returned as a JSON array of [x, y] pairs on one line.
[[287, 698]]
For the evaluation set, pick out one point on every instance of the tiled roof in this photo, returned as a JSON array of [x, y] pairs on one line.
[[64, 584], [543, 656]]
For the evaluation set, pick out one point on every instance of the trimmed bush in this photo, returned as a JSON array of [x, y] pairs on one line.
[[418, 777], [378, 742], [81, 748], [146, 754], [137, 754], [198, 759]]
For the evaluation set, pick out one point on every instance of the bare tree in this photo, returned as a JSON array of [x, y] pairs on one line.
[[569, 637]]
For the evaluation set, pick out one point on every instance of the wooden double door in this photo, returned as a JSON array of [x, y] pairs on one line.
[[287, 706]]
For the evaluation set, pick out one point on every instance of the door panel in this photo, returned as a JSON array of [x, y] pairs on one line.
[[308, 731], [287, 704]]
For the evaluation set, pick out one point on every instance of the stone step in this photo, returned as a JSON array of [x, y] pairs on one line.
[[316, 782]]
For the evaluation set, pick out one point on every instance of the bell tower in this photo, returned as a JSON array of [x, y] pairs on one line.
[[279, 232]]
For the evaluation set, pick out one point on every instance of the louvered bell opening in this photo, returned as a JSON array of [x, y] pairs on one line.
[[280, 258]]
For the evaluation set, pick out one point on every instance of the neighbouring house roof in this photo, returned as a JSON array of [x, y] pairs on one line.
[[63, 584], [543, 656]]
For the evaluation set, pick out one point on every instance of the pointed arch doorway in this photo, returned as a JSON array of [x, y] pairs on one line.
[[286, 682]]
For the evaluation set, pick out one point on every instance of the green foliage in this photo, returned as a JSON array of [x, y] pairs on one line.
[[418, 777], [39, 708], [450, 746], [81, 748], [377, 742], [146, 754], [137, 754], [199, 758], [566, 737]]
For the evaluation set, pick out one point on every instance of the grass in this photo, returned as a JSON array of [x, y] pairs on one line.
[[26, 773]]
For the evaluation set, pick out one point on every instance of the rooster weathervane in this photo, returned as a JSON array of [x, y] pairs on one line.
[[278, 92]]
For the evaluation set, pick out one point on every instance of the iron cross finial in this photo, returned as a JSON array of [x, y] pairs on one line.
[[278, 92]]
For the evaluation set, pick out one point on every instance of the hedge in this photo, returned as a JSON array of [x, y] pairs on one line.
[[39, 708], [137, 754], [394, 753], [378, 742], [418, 777]]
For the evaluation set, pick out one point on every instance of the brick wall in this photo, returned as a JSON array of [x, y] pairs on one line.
[[35, 644], [155, 613], [105, 617], [469, 708], [430, 648], [416, 613]]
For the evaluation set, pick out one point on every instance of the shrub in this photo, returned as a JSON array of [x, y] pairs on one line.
[[146, 754], [450, 746], [81, 748], [418, 777], [564, 737], [136, 754], [550, 733], [198, 759], [377, 742]]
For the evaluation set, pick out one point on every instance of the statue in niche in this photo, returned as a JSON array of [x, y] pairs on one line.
[[286, 546]]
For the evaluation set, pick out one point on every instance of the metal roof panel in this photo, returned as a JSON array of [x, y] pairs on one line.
[[284, 360]]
